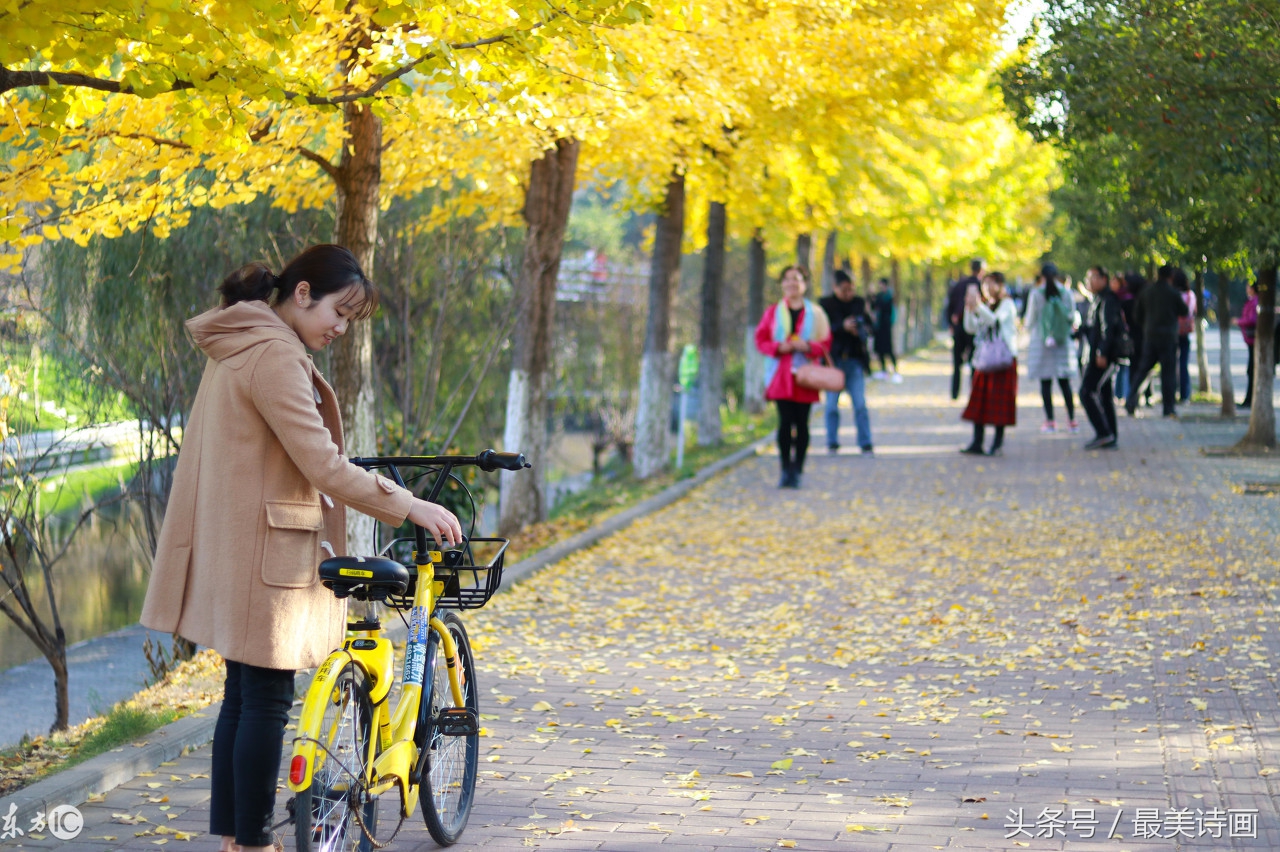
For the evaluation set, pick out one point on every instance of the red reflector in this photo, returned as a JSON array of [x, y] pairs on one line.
[[297, 769]]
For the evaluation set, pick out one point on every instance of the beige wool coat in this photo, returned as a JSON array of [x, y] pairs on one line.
[[261, 480]]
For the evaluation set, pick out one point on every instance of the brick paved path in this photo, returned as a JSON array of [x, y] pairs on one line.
[[906, 654]]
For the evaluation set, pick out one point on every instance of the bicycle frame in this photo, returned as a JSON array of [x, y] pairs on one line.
[[394, 758], [396, 753]]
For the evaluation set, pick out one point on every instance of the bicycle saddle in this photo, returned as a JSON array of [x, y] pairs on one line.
[[364, 577]]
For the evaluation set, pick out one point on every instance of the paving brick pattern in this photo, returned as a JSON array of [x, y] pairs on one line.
[[849, 667]]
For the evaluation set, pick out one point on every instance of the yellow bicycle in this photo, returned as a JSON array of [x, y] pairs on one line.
[[358, 764]]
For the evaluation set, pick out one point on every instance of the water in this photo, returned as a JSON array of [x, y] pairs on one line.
[[100, 583]]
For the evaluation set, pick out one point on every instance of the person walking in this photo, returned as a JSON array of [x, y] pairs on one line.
[[1156, 313], [260, 487], [1050, 320], [1186, 325], [850, 324], [1105, 333], [961, 340], [1248, 325], [991, 317], [883, 308], [791, 333]]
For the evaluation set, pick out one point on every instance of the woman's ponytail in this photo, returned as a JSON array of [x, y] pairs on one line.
[[251, 282]]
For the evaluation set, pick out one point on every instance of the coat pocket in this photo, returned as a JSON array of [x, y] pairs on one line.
[[292, 551]]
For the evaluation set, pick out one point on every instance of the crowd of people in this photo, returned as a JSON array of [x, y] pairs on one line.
[[1108, 334], [1113, 338]]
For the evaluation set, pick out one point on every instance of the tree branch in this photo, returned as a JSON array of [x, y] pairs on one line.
[[323, 163], [11, 79]]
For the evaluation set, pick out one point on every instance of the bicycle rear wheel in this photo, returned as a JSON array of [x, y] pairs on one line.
[[325, 813], [452, 741]]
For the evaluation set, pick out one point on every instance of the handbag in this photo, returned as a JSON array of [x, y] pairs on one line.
[[822, 377], [992, 354]]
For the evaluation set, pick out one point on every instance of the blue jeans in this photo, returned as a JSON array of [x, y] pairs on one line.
[[1184, 374], [855, 383], [1122, 382]]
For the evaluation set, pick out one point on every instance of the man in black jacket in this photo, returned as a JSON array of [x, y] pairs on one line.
[[1156, 313], [850, 325], [961, 340], [1105, 333]]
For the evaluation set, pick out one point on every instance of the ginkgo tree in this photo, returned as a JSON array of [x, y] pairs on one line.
[[122, 120], [756, 107]]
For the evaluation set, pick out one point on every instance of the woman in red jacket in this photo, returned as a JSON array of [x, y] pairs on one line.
[[792, 332]]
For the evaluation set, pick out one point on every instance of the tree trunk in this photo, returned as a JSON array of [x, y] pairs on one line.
[[753, 361], [930, 317], [1262, 417], [711, 359], [546, 213], [1204, 385], [655, 364], [359, 181], [61, 685], [804, 251], [866, 277], [1224, 353], [899, 330], [829, 265]]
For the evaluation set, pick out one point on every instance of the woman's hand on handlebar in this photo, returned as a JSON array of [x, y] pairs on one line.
[[436, 520]]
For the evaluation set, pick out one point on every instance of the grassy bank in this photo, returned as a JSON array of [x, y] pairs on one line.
[[191, 686], [617, 489]]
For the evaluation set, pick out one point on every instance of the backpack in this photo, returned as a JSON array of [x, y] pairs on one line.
[[1055, 321]]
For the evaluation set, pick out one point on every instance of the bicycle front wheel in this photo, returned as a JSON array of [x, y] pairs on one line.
[[325, 814], [452, 740]]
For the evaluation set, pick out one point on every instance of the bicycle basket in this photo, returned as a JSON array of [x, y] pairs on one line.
[[467, 585]]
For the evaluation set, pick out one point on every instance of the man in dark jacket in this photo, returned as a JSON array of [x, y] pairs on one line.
[[1104, 332], [961, 340], [1156, 313], [850, 324]]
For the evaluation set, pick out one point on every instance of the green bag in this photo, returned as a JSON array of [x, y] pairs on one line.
[[1055, 321]]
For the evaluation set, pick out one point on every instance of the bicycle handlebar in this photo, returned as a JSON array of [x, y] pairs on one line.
[[486, 460]]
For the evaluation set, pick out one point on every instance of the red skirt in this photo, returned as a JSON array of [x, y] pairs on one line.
[[993, 401]]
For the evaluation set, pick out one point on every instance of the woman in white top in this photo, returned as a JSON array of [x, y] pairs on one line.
[[1050, 320], [990, 315]]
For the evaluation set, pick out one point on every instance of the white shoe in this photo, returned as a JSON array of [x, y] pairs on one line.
[[897, 378]]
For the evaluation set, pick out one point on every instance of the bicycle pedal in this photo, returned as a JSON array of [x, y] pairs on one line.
[[457, 722]]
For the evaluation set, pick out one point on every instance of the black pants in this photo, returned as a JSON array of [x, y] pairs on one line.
[[1046, 396], [1097, 398], [793, 433], [961, 352], [1248, 381], [247, 745], [1162, 350]]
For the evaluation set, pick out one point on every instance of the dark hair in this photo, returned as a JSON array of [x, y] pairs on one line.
[[803, 270], [975, 265], [1165, 272], [1101, 270], [842, 277], [997, 277], [1134, 283], [327, 268], [1180, 279], [1051, 288]]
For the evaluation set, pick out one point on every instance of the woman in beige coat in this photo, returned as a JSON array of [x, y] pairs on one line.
[[260, 488]]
